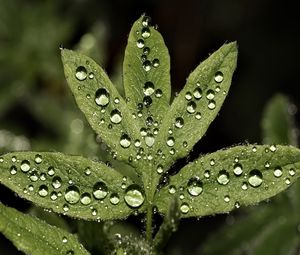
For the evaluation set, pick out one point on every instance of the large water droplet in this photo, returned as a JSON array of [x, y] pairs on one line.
[[38, 158], [277, 171], [85, 199], [133, 196], [237, 169], [115, 116], [170, 141], [210, 94], [195, 186], [34, 176], [149, 140], [197, 93], [188, 96], [191, 107], [72, 195], [100, 190], [255, 178], [179, 122], [146, 32], [43, 190], [102, 97], [140, 43], [219, 77], [114, 199], [148, 88], [211, 105], [223, 177], [125, 141], [25, 166], [81, 73], [184, 208]]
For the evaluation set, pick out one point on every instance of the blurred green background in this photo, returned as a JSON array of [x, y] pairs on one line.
[[37, 111]]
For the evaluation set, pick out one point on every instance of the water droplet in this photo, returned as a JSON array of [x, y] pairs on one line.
[[219, 77], [13, 159], [72, 195], [273, 148], [179, 122], [143, 131], [188, 96], [148, 88], [85, 199], [91, 75], [70, 252], [238, 169], [191, 107], [170, 141], [184, 208], [81, 73], [100, 190], [146, 32], [254, 149], [53, 196], [147, 65], [211, 105], [1, 160], [34, 176], [197, 93], [244, 186], [287, 181], [43, 177], [38, 158], [223, 177], [277, 172], [25, 166], [155, 63], [102, 97], [172, 189], [212, 162], [125, 141], [140, 43], [43, 190], [137, 143], [210, 94], [114, 199], [206, 173], [159, 169], [226, 198], [195, 186], [147, 101], [267, 164], [146, 50], [158, 93], [255, 178], [56, 182], [87, 171], [149, 140], [292, 172], [133, 196], [198, 116], [116, 116], [146, 21], [172, 151], [13, 170], [66, 208]]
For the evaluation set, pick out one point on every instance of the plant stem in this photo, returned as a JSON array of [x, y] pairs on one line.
[[149, 223]]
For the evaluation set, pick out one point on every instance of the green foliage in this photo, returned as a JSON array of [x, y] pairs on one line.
[[147, 133]]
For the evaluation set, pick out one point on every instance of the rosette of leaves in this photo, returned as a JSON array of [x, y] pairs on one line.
[[148, 132]]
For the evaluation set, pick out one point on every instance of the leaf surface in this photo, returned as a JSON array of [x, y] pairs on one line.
[[71, 185], [36, 237], [227, 179]]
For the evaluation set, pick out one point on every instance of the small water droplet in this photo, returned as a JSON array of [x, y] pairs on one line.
[[85, 198], [87, 171], [212, 162], [172, 189], [13, 170], [197, 93], [273, 148], [155, 63], [66, 208], [133, 196], [148, 88], [34, 176], [188, 96], [146, 50], [25, 166], [211, 105], [237, 169], [64, 240], [210, 94], [13, 159], [244, 186], [143, 131], [43, 191], [254, 149], [223, 177], [146, 32], [56, 182], [114, 199], [147, 100], [267, 164], [219, 77], [100, 190], [179, 122], [81, 73], [287, 181], [72, 195], [292, 172], [159, 169], [184, 208], [149, 140], [70, 252], [115, 116], [191, 107], [147, 65], [125, 141], [195, 186], [255, 178], [140, 43], [38, 158], [146, 21], [226, 199], [91, 75], [53, 196], [102, 97], [277, 172], [198, 116], [206, 173], [158, 93], [137, 143], [170, 141]]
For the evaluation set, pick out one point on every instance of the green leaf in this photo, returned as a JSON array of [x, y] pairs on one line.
[[169, 225], [278, 124], [35, 237], [197, 105], [146, 71], [71, 185], [227, 179], [99, 100]]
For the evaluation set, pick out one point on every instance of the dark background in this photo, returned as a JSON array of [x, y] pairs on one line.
[[267, 33]]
